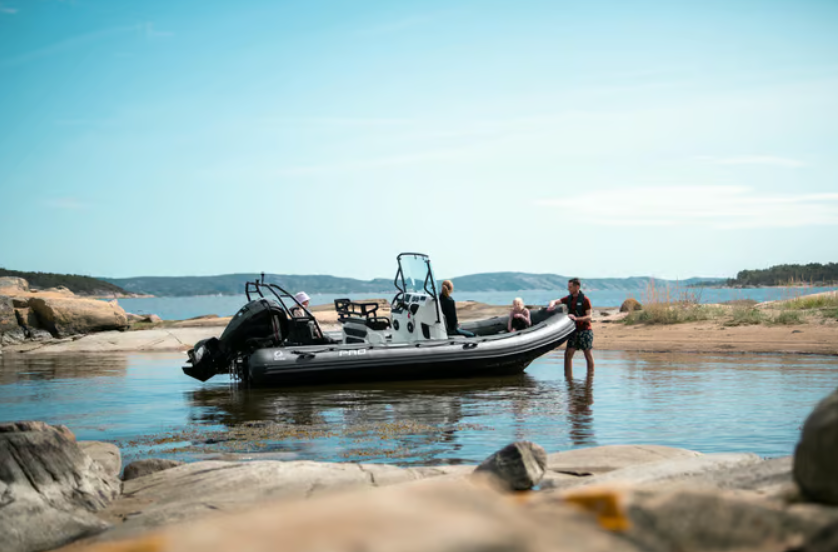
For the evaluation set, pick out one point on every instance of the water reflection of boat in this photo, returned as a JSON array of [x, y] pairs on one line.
[[427, 401], [277, 341]]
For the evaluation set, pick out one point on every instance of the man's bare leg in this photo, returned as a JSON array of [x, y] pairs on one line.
[[589, 358], [568, 362]]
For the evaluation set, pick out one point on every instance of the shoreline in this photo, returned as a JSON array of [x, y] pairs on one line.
[[610, 334]]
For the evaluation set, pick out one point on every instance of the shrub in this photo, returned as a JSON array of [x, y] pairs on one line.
[[818, 301], [631, 304], [788, 317], [744, 316]]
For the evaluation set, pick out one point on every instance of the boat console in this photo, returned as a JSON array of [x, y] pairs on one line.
[[415, 313]]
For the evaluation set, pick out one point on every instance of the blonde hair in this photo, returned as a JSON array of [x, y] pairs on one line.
[[516, 302], [447, 286]]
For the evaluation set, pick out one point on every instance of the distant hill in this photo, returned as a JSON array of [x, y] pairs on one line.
[[80, 285], [233, 284], [787, 274]]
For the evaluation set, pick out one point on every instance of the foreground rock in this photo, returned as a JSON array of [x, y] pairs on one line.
[[816, 455], [519, 466], [191, 490], [49, 488], [426, 516]]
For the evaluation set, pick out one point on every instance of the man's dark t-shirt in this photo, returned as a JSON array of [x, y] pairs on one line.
[[572, 309], [449, 311]]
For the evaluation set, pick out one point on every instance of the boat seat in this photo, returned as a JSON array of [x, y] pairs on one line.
[[377, 323]]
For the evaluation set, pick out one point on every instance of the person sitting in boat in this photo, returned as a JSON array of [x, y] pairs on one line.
[[303, 299], [519, 316], [449, 310]]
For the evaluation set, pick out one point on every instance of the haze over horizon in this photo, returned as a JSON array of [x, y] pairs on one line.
[[600, 139]]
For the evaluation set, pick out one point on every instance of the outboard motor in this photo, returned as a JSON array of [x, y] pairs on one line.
[[260, 323], [206, 360]]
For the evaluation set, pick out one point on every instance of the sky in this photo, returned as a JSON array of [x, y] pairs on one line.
[[598, 139]]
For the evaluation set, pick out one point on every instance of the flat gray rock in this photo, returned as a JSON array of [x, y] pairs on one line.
[[599, 460], [663, 472], [185, 492]]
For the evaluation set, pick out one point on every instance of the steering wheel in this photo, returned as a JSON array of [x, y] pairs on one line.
[[398, 300]]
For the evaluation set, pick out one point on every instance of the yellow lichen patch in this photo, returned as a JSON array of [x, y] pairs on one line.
[[604, 502], [153, 543]]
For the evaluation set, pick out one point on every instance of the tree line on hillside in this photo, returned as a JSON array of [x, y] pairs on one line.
[[787, 274], [80, 285]]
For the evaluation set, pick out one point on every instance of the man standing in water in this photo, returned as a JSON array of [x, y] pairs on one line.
[[579, 310]]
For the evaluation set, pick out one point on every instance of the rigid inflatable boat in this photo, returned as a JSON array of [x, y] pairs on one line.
[[274, 340]]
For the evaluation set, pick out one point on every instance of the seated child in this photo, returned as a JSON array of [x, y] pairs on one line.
[[519, 316]]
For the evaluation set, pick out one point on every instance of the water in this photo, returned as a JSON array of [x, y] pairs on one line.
[[144, 404], [181, 308]]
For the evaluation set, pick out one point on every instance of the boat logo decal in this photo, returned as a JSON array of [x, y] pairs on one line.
[[278, 355], [352, 352]]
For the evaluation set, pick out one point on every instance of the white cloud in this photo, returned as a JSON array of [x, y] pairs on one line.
[[67, 204], [754, 160], [711, 206]]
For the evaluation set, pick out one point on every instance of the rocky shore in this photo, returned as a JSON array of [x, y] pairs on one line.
[[63, 494]]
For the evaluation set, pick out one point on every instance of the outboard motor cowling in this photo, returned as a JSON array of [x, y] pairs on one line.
[[206, 360]]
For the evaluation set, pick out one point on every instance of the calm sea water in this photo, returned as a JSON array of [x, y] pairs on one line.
[[146, 405], [181, 308]]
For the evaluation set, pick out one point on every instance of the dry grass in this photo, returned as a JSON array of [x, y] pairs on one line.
[[673, 304]]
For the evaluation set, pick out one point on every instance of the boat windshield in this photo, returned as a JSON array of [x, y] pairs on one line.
[[416, 274]]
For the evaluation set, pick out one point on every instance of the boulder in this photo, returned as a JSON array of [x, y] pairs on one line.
[[519, 465], [706, 521], [12, 337], [825, 540], [107, 455], [816, 454], [140, 468], [49, 488], [631, 304], [10, 283], [26, 317], [64, 317], [63, 290], [8, 319]]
